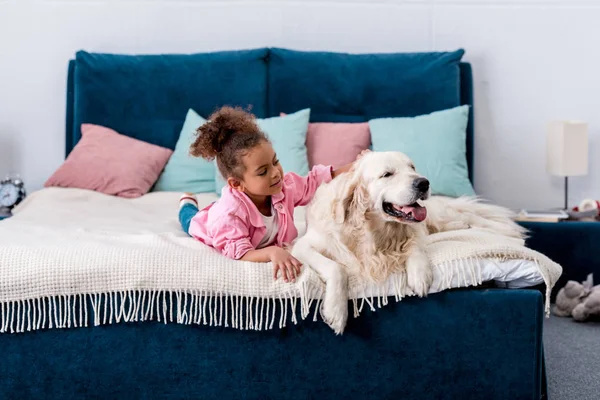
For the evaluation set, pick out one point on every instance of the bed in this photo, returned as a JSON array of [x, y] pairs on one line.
[[472, 342]]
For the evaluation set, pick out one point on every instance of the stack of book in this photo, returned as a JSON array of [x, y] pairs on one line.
[[558, 215], [542, 216]]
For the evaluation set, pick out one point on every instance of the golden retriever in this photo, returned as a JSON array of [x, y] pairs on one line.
[[372, 221]]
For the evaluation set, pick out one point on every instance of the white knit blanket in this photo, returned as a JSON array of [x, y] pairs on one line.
[[71, 257]]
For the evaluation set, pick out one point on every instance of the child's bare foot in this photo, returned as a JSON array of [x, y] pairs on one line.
[[188, 198]]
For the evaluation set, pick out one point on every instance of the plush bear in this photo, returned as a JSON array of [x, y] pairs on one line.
[[578, 300]]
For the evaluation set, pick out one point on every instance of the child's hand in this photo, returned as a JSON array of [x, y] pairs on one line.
[[362, 153], [286, 263], [336, 172]]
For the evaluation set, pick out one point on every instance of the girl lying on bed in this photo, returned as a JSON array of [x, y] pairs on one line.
[[254, 218]]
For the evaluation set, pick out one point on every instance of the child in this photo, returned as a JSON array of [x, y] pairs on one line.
[[254, 218]]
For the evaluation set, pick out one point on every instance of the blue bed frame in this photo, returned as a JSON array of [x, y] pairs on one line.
[[480, 343]]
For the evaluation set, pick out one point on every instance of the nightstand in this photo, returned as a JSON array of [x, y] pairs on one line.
[[572, 244]]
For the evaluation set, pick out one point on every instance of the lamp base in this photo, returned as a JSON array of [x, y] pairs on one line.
[[566, 193]]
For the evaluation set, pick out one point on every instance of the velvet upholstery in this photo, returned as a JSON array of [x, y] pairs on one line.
[[467, 344], [359, 87], [265, 99], [574, 245], [147, 96], [466, 98]]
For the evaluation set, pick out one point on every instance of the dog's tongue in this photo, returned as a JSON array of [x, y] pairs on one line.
[[419, 213]]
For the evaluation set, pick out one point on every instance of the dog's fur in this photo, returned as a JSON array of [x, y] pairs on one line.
[[348, 231]]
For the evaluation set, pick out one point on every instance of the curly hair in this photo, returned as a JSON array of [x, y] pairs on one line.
[[227, 135]]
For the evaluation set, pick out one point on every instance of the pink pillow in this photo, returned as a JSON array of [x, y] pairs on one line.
[[336, 143], [111, 163]]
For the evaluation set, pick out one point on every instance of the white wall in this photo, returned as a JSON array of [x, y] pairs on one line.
[[533, 60]]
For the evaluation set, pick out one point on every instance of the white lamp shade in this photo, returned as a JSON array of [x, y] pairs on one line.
[[567, 148]]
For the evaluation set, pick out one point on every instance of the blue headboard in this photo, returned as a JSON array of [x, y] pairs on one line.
[[147, 97], [466, 98]]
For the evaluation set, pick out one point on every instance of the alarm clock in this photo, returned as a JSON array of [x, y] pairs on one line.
[[12, 192]]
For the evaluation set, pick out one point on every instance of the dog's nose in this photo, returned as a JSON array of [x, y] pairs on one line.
[[421, 184]]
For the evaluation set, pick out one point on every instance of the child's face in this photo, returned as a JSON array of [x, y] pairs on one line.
[[263, 174]]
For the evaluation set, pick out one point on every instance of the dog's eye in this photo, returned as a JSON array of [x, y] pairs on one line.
[[387, 174], [412, 167]]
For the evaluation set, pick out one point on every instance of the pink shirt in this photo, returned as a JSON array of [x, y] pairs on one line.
[[233, 225]]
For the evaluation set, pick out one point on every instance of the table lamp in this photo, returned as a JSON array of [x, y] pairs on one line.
[[567, 150]]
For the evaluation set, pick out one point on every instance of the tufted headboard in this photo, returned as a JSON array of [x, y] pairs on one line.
[[147, 96]]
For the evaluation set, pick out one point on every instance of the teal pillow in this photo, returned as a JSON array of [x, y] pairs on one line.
[[288, 135], [435, 142], [183, 172]]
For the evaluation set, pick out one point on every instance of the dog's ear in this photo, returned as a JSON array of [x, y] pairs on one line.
[[351, 196], [342, 199]]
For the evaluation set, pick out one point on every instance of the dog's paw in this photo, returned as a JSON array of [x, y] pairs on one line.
[[419, 275], [419, 283], [335, 315], [334, 310]]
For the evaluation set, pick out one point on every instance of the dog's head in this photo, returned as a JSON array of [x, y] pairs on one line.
[[386, 183]]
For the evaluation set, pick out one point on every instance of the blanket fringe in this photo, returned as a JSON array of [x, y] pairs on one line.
[[196, 307], [467, 272], [213, 308], [166, 306]]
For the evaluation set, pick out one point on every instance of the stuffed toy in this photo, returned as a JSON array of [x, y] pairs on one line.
[[588, 210], [578, 300]]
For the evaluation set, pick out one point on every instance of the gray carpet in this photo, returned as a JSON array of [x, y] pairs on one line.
[[572, 353]]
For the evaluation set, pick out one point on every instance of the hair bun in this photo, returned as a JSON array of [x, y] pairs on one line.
[[214, 135]]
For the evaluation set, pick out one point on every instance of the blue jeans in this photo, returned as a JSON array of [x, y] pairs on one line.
[[186, 213]]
